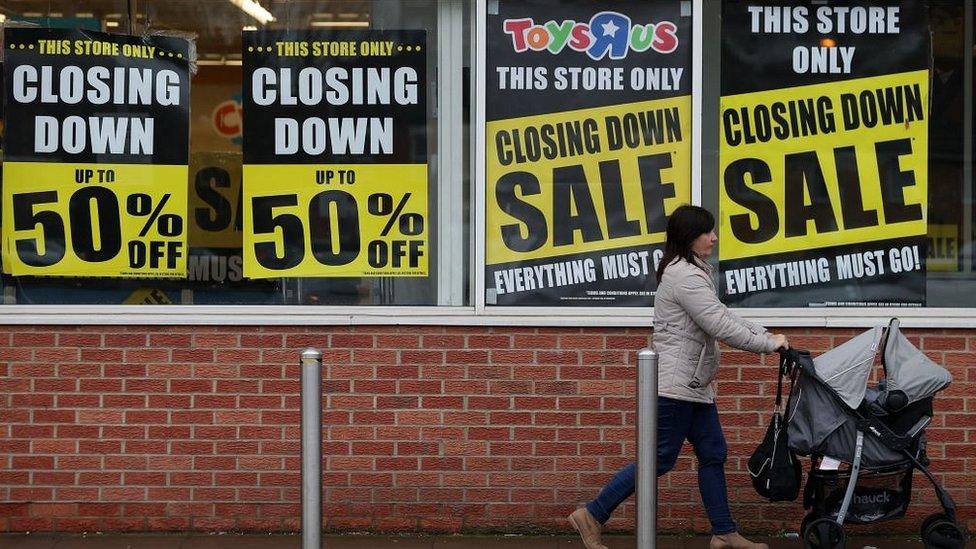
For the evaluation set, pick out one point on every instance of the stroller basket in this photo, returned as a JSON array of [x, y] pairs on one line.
[[882, 494]]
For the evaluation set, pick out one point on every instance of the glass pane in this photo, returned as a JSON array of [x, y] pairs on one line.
[[950, 255], [215, 207]]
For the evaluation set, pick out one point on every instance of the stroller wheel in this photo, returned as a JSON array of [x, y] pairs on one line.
[[930, 520], [823, 533], [807, 519], [942, 533]]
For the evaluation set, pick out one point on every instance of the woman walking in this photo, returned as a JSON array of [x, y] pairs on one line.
[[688, 320]]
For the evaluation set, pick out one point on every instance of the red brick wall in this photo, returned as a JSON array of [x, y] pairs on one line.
[[428, 428]]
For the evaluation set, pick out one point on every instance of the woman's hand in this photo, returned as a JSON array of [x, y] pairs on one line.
[[782, 344]]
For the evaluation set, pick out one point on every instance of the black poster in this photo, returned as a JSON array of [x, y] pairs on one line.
[[824, 153], [588, 148], [95, 153], [335, 153]]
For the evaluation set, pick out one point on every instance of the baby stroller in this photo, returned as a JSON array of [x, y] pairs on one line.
[[865, 442]]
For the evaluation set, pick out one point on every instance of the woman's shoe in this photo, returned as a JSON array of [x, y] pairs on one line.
[[588, 527], [734, 541]]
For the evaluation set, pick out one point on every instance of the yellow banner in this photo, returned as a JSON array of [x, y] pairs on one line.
[[335, 220], [4, 262], [824, 165], [943, 248], [586, 180], [148, 296], [116, 220], [215, 214]]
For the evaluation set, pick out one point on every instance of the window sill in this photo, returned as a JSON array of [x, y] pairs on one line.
[[290, 315]]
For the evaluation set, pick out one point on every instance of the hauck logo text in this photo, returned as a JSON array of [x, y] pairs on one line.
[[607, 32], [872, 499]]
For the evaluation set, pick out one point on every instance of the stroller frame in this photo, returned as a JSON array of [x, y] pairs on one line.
[[868, 424]]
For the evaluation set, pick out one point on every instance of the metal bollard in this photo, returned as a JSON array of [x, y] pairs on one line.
[[311, 449], [647, 449]]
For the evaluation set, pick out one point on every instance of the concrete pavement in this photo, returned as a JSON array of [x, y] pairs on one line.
[[231, 541]]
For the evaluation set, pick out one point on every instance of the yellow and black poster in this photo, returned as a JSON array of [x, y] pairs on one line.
[[943, 248], [96, 143], [215, 263], [215, 198], [216, 218], [823, 194], [335, 153], [588, 148]]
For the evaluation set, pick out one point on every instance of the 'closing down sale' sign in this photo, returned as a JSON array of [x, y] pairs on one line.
[[588, 148], [824, 153]]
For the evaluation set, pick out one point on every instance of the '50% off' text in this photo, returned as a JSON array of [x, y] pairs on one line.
[[338, 231], [94, 225]]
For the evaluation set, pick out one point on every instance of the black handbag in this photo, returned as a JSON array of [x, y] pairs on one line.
[[774, 468]]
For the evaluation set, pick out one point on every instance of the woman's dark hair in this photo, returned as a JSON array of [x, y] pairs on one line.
[[685, 225]]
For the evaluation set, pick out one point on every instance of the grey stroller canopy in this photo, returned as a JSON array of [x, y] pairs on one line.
[[818, 422]]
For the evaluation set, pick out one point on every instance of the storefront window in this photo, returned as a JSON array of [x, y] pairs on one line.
[[837, 151], [381, 240]]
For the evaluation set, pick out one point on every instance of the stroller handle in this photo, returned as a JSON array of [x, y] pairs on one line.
[[790, 360], [793, 351], [793, 358]]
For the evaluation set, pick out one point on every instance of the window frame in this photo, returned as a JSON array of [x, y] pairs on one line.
[[451, 284]]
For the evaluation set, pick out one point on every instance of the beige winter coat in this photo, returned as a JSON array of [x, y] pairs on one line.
[[688, 319]]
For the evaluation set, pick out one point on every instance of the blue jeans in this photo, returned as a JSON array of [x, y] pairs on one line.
[[679, 420]]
